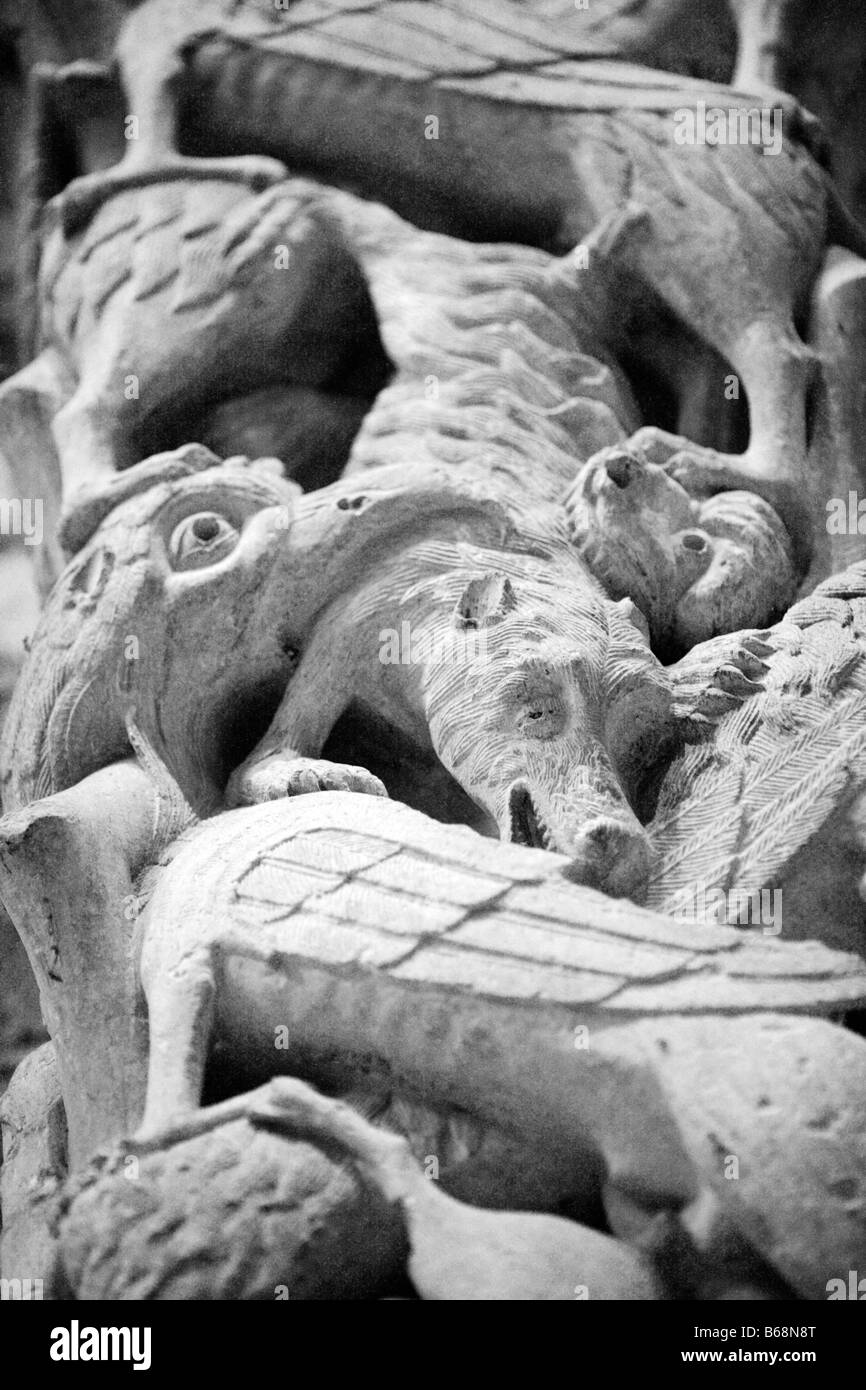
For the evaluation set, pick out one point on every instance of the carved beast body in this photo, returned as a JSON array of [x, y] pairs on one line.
[[528, 141], [572, 704], [469, 974]]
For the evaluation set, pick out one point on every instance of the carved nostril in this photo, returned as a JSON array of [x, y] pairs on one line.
[[612, 857], [693, 540], [619, 470], [603, 836]]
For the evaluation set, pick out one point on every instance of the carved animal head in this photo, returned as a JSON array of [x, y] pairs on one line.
[[130, 631], [553, 713], [694, 568], [183, 614]]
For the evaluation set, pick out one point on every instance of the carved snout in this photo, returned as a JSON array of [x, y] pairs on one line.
[[612, 855], [606, 844]]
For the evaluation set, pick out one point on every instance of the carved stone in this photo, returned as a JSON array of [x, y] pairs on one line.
[[432, 794]]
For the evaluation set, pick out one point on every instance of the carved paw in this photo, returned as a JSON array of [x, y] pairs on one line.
[[704, 472], [278, 776], [695, 468], [289, 1104], [656, 445], [738, 677], [295, 1109]]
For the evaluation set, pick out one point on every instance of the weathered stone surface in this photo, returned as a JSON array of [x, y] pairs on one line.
[[568, 362], [516, 1006], [236, 1214], [34, 1163]]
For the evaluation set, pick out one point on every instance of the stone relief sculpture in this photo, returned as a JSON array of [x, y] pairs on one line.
[[578, 175], [418, 483]]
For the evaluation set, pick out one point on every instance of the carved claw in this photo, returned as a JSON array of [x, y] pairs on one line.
[[748, 662], [702, 470], [656, 445], [698, 469], [715, 677], [291, 1105], [280, 776], [733, 679], [757, 645]]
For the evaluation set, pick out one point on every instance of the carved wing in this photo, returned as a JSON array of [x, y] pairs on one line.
[[357, 888], [789, 708], [493, 48], [501, 52]]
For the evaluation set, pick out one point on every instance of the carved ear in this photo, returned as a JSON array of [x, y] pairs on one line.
[[485, 600], [89, 577], [632, 613]]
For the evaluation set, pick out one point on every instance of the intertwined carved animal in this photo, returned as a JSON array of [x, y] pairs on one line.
[[407, 957], [531, 141], [575, 711], [567, 706]]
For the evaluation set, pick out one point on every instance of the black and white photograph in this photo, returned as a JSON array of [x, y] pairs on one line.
[[433, 666]]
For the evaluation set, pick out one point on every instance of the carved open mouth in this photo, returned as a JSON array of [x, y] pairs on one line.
[[527, 826]]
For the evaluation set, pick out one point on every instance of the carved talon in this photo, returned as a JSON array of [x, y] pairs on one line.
[[286, 1103], [278, 777], [758, 647], [698, 472], [656, 445], [286, 1099], [733, 680], [748, 663]]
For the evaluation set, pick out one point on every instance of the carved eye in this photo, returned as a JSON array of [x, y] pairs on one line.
[[542, 718], [694, 541], [539, 710], [202, 539]]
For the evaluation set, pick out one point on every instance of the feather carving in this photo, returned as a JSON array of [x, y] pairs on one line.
[[759, 780]]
